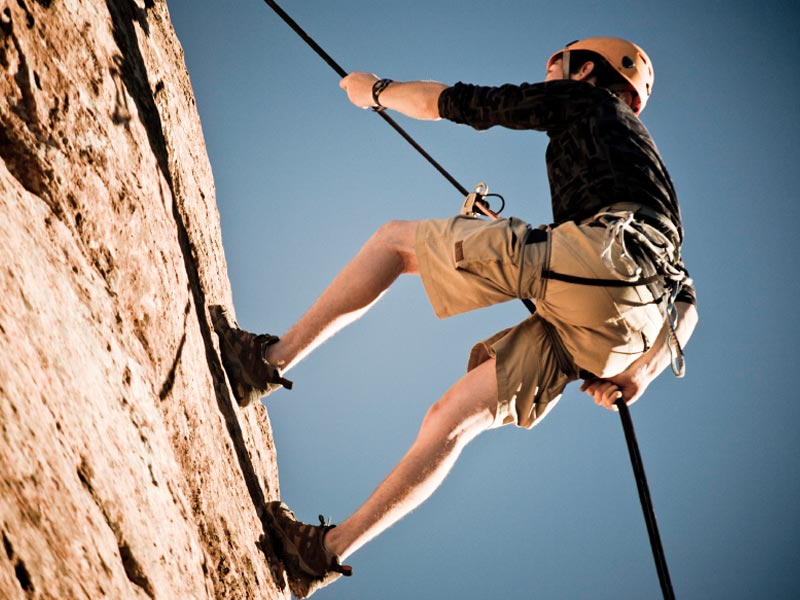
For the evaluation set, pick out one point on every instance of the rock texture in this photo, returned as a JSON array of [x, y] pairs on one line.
[[126, 470]]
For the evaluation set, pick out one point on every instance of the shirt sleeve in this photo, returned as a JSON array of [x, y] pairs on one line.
[[540, 106]]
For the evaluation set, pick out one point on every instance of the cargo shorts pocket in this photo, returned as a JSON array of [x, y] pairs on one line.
[[641, 326], [494, 253]]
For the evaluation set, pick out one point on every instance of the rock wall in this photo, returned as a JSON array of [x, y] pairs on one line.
[[126, 470]]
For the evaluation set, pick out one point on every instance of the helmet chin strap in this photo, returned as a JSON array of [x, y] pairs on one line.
[[565, 64]]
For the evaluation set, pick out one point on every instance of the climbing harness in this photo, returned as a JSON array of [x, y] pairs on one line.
[[474, 203], [657, 248]]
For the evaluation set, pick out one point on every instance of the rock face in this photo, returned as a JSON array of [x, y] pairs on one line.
[[126, 469]]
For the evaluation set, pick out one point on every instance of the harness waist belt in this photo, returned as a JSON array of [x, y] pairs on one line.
[[547, 274]]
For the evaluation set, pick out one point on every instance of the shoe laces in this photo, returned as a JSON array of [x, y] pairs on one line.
[[263, 341], [335, 563]]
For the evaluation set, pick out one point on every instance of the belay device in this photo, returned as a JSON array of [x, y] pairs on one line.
[[474, 203]]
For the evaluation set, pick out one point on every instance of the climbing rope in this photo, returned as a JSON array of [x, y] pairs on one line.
[[382, 114]]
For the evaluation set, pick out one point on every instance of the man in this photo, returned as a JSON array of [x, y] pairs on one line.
[[614, 305]]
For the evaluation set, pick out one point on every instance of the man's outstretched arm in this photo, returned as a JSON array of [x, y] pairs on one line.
[[633, 381], [415, 99]]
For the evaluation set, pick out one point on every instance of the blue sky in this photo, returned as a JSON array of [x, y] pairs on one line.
[[303, 178]]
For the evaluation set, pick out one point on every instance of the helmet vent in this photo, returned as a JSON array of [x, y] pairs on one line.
[[627, 62]]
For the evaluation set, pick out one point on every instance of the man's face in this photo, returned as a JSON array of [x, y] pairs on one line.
[[555, 71]]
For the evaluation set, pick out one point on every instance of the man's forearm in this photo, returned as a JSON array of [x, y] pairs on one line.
[[415, 99], [633, 381]]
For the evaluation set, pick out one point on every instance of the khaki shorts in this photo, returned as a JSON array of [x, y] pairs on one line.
[[468, 263]]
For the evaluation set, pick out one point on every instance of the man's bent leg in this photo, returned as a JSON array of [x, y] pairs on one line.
[[467, 409], [389, 253]]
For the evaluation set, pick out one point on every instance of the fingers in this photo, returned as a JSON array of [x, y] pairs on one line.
[[604, 393], [358, 86], [351, 79]]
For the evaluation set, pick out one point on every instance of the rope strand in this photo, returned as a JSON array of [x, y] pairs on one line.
[[382, 114]]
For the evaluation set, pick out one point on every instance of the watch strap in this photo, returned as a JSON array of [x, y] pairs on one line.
[[377, 89]]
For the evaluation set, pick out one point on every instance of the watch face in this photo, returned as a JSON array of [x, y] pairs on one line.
[[377, 88]]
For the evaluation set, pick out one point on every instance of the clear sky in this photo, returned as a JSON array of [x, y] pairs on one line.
[[303, 178]]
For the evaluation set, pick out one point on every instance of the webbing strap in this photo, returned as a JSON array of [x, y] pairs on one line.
[[547, 274]]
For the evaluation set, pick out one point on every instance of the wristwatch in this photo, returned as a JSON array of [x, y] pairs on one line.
[[377, 88]]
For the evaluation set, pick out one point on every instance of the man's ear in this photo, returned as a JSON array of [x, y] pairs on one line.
[[585, 72]]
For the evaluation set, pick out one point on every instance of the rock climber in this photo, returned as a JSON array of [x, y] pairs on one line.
[[614, 304]]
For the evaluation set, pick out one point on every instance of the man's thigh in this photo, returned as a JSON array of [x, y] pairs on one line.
[[467, 263]]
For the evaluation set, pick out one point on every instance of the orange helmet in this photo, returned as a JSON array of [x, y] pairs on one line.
[[625, 57]]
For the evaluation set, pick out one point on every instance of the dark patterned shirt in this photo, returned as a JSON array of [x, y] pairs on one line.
[[599, 151]]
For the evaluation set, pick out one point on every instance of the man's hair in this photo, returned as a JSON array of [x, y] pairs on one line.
[[606, 76]]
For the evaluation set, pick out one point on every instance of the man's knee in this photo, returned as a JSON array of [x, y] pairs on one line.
[[439, 421], [400, 237], [457, 418]]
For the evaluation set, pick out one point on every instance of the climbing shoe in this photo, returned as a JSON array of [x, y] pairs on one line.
[[301, 547], [243, 356]]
